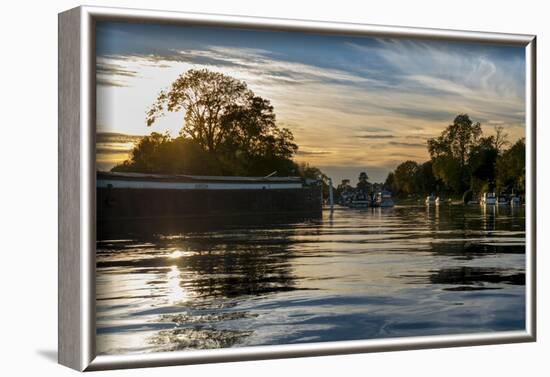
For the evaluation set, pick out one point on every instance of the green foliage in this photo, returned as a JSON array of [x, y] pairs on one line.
[[342, 187], [405, 178], [159, 153], [311, 172], [511, 168], [448, 170], [363, 183], [449, 152], [390, 182], [482, 162], [411, 178], [426, 182], [463, 162]]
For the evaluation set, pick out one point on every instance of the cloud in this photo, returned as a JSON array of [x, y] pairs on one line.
[[374, 137], [112, 74], [116, 137], [407, 145], [106, 82], [113, 148], [302, 152], [422, 113], [104, 68], [375, 129]]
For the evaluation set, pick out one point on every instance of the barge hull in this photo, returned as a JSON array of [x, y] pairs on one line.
[[129, 203]]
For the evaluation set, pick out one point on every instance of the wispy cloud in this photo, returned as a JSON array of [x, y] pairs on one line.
[[112, 74], [375, 129], [116, 137], [302, 152], [349, 101], [374, 137], [407, 145], [113, 147]]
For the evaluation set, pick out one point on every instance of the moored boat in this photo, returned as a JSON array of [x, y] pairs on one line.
[[488, 198], [360, 199], [383, 199], [431, 200], [154, 196]]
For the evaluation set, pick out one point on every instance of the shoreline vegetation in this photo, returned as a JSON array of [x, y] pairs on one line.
[[230, 131], [463, 164]]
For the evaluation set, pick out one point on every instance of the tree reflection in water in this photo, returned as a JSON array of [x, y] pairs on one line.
[[197, 274], [354, 274]]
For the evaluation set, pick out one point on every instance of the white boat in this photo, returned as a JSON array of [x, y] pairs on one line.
[[383, 199], [488, 198]]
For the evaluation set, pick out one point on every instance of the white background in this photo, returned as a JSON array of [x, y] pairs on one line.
[[28, 159]]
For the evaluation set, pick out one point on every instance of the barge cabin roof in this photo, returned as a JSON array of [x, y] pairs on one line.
[[144, 180]]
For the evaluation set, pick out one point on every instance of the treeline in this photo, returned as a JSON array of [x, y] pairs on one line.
[[463, 160], [228, 130]]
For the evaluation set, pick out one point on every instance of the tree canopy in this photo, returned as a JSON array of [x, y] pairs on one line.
[[511, 168], [206, 97], [222, 114], [449, 152], [462, 159], [227, 130]]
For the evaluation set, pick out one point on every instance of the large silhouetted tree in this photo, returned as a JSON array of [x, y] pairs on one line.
[[223, 116], [227, 130], [205, 97]]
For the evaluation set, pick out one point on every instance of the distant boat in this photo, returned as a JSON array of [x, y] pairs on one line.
[[383, 199], [359, 200], [488, 198]]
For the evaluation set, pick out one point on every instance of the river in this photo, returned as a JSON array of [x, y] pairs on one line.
[[352, 274]]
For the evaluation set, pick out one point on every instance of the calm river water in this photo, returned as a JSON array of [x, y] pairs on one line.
[[358, 274]]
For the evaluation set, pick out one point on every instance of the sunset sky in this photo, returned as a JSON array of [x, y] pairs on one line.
[[353, 103]]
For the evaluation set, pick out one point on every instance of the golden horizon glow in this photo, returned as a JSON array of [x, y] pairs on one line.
[[358, 104]]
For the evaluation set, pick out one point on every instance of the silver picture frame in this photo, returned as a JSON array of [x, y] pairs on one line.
[[76, 268]]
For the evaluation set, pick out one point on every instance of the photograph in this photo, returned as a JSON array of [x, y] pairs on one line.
[[260, 187]]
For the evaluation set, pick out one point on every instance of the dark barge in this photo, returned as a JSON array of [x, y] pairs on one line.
[[130, 196]]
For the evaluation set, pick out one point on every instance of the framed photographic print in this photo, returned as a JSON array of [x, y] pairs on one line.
[[235, 188]]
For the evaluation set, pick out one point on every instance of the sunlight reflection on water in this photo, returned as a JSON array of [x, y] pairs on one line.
[[355, 274]]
